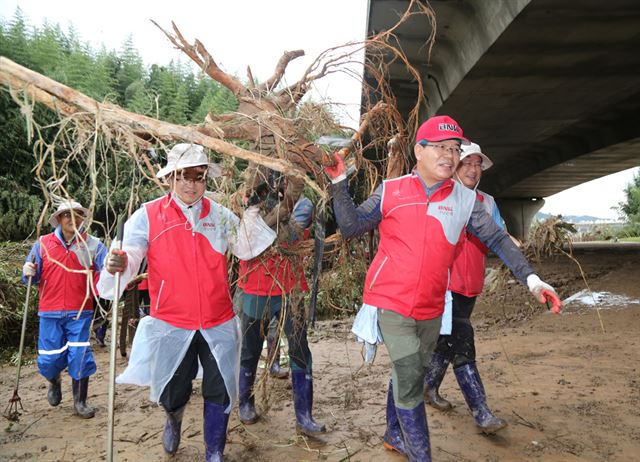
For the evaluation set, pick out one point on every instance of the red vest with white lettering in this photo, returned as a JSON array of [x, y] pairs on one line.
[[187, 267], [62, 290], [273, 273], [467, 273], [418, 235]]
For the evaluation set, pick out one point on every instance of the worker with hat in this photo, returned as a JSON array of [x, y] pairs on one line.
[[65, 264], [467, 280], [420, 217], [185, 237]]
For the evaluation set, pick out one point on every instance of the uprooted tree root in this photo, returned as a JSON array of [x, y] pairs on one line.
[[103, 154], [271, 128]]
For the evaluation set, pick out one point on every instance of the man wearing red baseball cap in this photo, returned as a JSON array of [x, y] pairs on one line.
[[420, 217]]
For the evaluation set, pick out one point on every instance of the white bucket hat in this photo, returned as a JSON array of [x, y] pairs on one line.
[[65, 206], [185, 155], [473, 148]]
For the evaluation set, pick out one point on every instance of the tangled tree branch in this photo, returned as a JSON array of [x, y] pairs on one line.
[[271, 129]]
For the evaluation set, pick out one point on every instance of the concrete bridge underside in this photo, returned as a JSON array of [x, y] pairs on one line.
[[550, 89]]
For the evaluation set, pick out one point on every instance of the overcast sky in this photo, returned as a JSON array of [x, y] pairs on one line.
[[256, 32]]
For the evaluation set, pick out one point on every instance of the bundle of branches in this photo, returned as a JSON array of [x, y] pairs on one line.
[[270, 131], [546, 239]]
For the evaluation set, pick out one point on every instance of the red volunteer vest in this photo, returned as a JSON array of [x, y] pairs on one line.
[[272, 274], [187, 268], [62, 290], [418, 235], [467, 273]]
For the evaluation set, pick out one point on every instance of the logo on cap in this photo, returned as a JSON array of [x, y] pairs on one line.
[[449, 127]]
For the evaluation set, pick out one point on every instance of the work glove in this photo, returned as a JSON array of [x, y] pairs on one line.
[[338, 172], [544, 292], [29, 269], [117, 261]]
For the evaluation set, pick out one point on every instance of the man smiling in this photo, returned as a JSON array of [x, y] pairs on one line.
[[185, 237], [420, 218], [467, 280], [65, 264]]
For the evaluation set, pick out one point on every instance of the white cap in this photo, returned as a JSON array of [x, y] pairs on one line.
[[185, 155], [63, 207], [473, 148]]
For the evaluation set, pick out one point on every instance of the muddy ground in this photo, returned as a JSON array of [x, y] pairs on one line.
[[568, 391]]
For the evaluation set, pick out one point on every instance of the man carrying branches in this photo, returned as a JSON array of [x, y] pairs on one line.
[[273, 284], [420, 218], [65, 264]]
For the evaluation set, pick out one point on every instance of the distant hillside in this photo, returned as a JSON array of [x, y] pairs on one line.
[[572, 218]]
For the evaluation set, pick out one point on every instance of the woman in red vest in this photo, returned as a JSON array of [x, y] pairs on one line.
[[420, 218], [185, 237], [66, 264]]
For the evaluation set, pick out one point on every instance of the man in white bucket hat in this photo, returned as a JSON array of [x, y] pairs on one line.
[[185, 237], [466, 283], [65, 264]]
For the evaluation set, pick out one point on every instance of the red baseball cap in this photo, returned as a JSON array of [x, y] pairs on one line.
[[440, 128]]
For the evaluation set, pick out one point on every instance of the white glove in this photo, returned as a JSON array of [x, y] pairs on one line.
[[29, 269], [544, 292], [254, 235]]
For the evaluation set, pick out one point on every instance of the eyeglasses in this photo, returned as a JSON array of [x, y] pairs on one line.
[[444, 148], [77, 214], [471, 164], [197, 179]]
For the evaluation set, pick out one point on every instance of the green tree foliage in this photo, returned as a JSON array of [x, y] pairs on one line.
[[630, 208], [173, 93]]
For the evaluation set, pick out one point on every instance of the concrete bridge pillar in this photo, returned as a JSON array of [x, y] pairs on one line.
[[518, 214]]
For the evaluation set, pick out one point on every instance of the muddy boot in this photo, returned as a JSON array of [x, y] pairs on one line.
[[393, 439], [54, 394], [215, 431], [246, 405], [473, 391], [273, 358], [302, 383], [172, 427], [416, 433], [435, 373], [80, 389], [100, 332]]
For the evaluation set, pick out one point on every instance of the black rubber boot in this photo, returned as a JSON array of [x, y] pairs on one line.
[[473, 391], [393, 439], [246, 406], [302, 383], [273, 358], [54, 395], [172, 427], [80, 389], [415, 430], [436, 371], [215, 422]]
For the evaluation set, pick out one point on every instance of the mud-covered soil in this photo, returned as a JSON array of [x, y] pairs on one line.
[[569, 391]]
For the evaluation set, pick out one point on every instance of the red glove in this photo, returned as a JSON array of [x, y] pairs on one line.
[[336, 171], [544, 292], [550, 297]]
